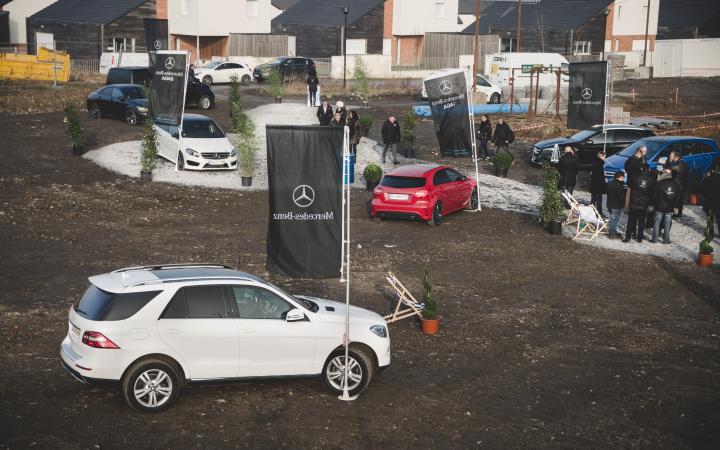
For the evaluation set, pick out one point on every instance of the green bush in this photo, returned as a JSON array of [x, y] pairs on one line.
[[430, 311], [234, 95], [366, 121], [73, 130], [247, 148], [502, 160], [361, 79], [705, 247], [148, 155], [551, 207], [372, 173], [407, 128], [276, 83]]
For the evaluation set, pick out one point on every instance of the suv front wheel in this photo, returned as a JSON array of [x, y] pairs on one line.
[[151, 385], [360, 371]]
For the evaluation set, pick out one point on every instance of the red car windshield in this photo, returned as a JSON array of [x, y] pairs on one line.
[[402, 182]]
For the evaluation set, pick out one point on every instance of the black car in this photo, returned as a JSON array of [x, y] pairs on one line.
[[120, 101], [197, 93], [288, 66], [588, 142]]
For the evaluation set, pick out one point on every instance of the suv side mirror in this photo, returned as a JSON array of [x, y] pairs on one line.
[[294, 315]]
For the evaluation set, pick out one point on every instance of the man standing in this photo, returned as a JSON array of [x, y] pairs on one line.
[[391, 137], [681, 174], [598, 185], [483, 134], [641, 192], [312, 82], [615, 202], [710, 190], [569, 167], [664, 200], [324, 113], [503, 136]]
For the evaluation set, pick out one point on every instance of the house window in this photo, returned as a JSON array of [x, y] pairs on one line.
[[252, 8], [439, 10], [507, 45], [582, 47], [185, 7], [120, 44], [620, 10]]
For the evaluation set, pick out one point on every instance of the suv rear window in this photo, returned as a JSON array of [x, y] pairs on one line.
[[100, 305], [402, 182]]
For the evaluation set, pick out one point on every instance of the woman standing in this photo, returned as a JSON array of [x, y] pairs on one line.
[[355, 131], [340, 108], [598, 186], [483, 134]]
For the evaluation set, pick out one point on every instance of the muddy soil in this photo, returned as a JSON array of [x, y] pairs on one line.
[[543, 342]]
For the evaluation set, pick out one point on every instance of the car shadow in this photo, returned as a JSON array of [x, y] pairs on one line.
[[710, 294]]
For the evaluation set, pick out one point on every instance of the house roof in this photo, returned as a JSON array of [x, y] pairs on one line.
[[687, 13], [326, 12], [84, 11], [468, 6], [555, 14], [283, 5]]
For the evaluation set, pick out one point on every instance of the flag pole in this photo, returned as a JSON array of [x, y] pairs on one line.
[[471, 117]]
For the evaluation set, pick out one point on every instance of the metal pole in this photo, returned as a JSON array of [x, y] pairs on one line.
[[557, 95], [346, 10], [537, 90], [605, 108], [477, 44], [647, 28], [518, 26], [55, 65], [530, 105], [512, 88], [346, 209]]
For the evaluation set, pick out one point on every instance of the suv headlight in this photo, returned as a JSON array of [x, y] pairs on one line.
[[142, 109], [380, 330], [192, 152], [233, 153]]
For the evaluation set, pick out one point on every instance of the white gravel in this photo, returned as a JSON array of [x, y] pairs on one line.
[[495, 192]]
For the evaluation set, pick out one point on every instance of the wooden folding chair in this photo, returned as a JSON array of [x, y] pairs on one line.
[[574, 214], [407, 305], [590, 224]]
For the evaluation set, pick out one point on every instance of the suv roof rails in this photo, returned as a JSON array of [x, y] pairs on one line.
[[198, 278], [174, 266]]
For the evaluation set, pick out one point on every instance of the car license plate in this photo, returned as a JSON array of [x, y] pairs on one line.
[[74, 332], [398, 196]]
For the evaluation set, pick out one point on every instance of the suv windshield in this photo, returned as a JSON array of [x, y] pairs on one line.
[[133, 92], [582, 135], [653, 147], [97, 304], [201, 129], [402, 182]]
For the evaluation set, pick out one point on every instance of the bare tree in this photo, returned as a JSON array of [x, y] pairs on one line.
[[540, 18]]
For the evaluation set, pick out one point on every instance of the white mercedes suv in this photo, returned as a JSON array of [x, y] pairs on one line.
[[155, 329]]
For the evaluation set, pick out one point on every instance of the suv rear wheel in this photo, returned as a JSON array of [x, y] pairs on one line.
[[207, 80], [360, 372], [151, 385]]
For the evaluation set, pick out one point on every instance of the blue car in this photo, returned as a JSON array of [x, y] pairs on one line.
[[698, 153]]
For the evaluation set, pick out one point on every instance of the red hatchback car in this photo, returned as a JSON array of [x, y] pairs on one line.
[[424, 192]]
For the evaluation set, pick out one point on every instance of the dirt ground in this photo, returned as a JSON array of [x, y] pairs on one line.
[[543, 343]]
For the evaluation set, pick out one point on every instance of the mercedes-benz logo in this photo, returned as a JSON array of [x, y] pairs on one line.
[[445, 87], [586, 93], [157, 45], [169, 63], [303, 196]]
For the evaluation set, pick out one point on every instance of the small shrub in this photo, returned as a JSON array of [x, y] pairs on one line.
[[407, 128], [247, 148], [705, 247], [551, 207], [276, 83], [430, 311], [361, 79], [148, 154], [502, 160], [234, 95], [372, 173], [366, 121], [73, 130]]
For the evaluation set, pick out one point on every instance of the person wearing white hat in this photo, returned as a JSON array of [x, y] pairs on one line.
[[340, 108]]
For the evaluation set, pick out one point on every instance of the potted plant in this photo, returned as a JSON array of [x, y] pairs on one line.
[[148, 153], [551, 207], [372, 174], [366, 121], [407, 133], [430, 321], [361, 78], [706, 251], [502, 162], [276, 84], [73, 130]]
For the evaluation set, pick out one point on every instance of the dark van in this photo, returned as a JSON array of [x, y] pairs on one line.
[[197, 93]]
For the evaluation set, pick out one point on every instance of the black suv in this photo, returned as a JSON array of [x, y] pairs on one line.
[[197, 93], [588, 142], [288, 66]]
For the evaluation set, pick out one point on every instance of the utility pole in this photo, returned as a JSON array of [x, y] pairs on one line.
[[517, 44], [647, 29], [477, 44]]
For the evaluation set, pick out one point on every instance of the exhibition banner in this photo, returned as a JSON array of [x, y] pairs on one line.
[[156, 37], [169, 81], [448, 97], [586, 104]]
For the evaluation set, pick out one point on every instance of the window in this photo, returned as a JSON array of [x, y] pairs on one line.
[[453, 175], [177, 309], [482, 82], [205, 302], [233, 66], [252, 8], [583, 47], [667, 150], [133, 92], [620, 11], [107, 91], [441, 177], [626, 136], [97, 304], [117, 44], [695, 148], [507, 45], [439, 10], [402, 182], [257, 303], [201, 129], [185, 7], [117, 93], [222, 67]]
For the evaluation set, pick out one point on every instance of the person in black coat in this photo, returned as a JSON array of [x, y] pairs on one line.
[[615, 202], [681, 174], [503, 135], [324, 113], [664, 201], [569, 167], [710, 190], [391, 137], [598, 185], [337, 120], [483, 135], [340, 108], [634, 165], [312, 81], [641, 193]]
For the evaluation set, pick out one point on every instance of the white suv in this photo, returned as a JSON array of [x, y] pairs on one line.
[[156, 328]]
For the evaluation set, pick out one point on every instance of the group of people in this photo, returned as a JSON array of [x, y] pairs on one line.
[[340, 117], [502, 136]]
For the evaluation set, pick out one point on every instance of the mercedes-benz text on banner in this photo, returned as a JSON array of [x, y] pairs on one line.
[[448, 97], [304, 185], [586, 106], [167, 98]]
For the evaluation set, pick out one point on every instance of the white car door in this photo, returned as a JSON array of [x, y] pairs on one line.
[[221, 74], [269, 345], [199, 327]]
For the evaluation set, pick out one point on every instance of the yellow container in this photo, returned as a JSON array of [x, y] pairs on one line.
[[35, 67]]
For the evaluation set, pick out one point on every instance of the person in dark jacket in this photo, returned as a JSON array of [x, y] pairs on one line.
[[664, 201], [635, 164], [340, 108], [337, 120], [503, 136], [710, 190], [391, 137], [598, 185], [615, 202], [324, 113], [191, 71], [569, 167], [483, 135], [681, 174], [355, 131], [312, 81], [641, 193]]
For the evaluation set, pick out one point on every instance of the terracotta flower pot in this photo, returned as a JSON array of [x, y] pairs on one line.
[[693, 199], [705, 260], [430, 326]]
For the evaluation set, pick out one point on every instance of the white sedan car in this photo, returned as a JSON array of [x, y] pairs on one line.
[[222, 72], [202, 146], [155, 329]]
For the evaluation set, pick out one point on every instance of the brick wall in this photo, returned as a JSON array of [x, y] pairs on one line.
[[161, 12]]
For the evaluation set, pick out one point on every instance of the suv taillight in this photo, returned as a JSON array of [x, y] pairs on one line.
[[97, 340]]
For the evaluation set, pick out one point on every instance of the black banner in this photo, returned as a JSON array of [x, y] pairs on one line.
[[448, 99], [586, 106], [304, 183], [167, 97], [156, 37]]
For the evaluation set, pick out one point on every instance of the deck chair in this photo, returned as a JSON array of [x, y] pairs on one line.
[[590, 224], [574, 214], [407, 305]]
